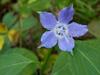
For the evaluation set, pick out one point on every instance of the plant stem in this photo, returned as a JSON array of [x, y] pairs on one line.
[[46, 61]]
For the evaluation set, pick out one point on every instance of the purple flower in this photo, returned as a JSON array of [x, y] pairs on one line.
[[60, 30]]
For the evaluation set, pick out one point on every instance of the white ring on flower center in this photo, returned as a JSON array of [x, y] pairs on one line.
[[60, 30]]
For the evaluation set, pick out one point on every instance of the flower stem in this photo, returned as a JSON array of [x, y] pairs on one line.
[[46, 61]]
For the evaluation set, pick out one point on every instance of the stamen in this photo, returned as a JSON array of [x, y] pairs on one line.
[[60, 30]]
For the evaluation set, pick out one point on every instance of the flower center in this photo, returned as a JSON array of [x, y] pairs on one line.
[[61, 30]]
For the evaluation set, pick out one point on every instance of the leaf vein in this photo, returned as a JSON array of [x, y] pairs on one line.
[[89, 61]]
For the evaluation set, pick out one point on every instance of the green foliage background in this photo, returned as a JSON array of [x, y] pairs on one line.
[[20, 33]]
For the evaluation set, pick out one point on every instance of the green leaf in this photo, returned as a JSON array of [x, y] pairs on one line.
[[40, 5], [9, 19], [35, 5], [18, 61], [27, 6], [22, 9], [26, 23], [94, 27], [62, 3], [85, 61]]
